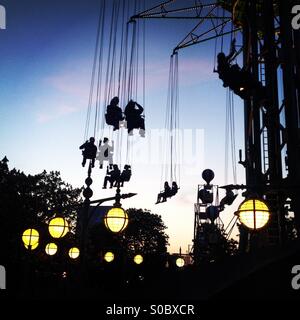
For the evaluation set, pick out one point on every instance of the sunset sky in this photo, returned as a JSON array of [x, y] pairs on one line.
[[46, 55]]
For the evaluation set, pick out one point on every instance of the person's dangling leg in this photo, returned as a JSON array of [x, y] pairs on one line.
[[110, 160], [84, 161], [158, 198], [142, 127], [106, 179], [116, 124], [142, 123], [130, 131], [164, 196]]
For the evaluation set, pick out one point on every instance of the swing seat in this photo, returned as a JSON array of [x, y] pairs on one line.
[[109, 119], [123, 124], [125, 177], [172, 193]]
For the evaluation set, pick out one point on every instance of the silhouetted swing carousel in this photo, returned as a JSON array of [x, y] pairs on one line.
[[171, 168], [118, 84]]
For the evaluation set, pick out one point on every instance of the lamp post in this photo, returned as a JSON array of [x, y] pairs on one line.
[[138, 259], [74, 253], [51, 249], [109, 257], [253, 213], [30, 239], [116, 219], [180, 262], [58, 227]]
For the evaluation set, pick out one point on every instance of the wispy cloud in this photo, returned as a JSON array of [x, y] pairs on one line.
[[54, 113], [71, 83], [69, 89], [191, 72], [66, 93]]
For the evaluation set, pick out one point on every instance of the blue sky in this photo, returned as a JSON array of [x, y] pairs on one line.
[[45, 65]]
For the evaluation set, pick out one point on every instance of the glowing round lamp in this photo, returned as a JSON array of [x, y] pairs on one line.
[[138, 259], [180, 262], [74, 253], [51, 249], [58, 227], [253, 214], [30, 239], [116, 220], [109, 257]]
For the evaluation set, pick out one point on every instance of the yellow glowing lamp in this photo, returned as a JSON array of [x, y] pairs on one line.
[[51, 249], [30, 239], [74, 253], [180, 262], [253, 213], [109, 257], [138, 259], [116, 220], [58, 227]]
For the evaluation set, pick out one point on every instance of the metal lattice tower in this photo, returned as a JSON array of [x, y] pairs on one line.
[[271, 53]]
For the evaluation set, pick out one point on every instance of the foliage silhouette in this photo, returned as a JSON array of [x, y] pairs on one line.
[[30, 201], [145, 235]]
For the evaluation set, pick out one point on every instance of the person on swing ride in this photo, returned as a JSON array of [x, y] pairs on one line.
[[105, 152], [111, 176], [135, 120], [168, 192], [125, 175], [174, 189], [240, 80], [224, 65], [114, 114], [162, 196], [89, 151]]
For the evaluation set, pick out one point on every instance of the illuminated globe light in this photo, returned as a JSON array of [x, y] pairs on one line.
[[138, 259], [30, 239], [58, 227], [74, 253], [51, 249], [253, 214], [116, 220], [109, 257], [180, 262]]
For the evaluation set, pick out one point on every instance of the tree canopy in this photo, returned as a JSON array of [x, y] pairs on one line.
[[144, 235], [30, 200]]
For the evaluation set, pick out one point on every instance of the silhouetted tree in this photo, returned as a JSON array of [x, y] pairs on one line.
[[213, 245], [30, 201], [145, 235]]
